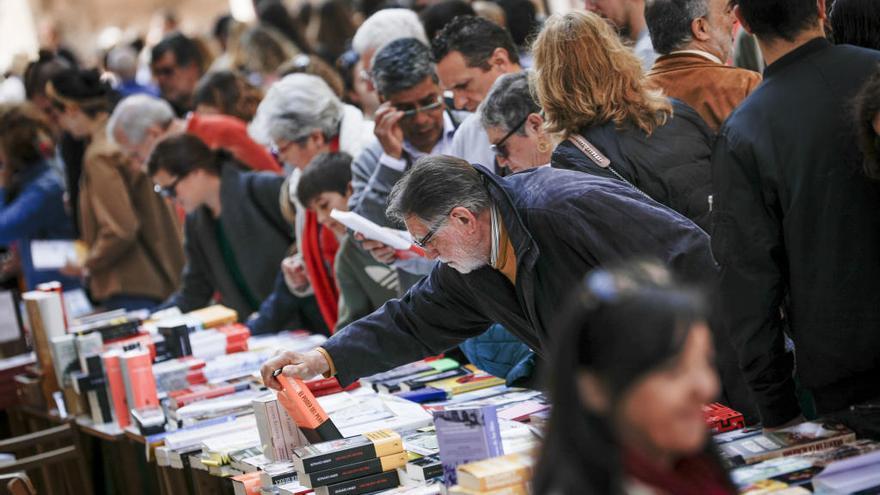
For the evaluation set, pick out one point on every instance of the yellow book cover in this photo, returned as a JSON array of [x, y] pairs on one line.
[[495, 473]]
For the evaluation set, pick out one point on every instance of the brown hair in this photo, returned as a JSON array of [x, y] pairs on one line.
[[25, 140], [584, 75], [308, 64]]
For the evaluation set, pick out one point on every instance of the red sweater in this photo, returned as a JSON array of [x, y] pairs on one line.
[[230, 133]]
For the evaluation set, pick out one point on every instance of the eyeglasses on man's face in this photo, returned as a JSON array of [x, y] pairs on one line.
[[499, 148], [427, 104]]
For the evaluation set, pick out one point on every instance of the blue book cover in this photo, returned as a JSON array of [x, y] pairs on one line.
[[427, 394], [466, 435]]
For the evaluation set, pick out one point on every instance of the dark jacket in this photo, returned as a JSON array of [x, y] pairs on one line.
[[36, 213], [259, 237], [671, 165], [796, 224], [561, 225]]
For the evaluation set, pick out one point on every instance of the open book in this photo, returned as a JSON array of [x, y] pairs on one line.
[[400, 240]]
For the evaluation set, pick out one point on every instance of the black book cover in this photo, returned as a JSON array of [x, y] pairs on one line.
[[369, 484], [325, 432]]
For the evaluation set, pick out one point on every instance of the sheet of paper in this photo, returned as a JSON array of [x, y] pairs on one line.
[[9, 329], [393, 238], [52, 255]]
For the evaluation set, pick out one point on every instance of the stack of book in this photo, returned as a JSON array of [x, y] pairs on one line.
[[466, 435], [363, 464], [848, 468], [752, 445], [721, 418], [279, 435], [509, 474]]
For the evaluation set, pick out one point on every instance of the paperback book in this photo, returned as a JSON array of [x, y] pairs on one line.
[[466, 435]]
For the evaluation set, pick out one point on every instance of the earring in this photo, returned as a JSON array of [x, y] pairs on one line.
[[543, 146]]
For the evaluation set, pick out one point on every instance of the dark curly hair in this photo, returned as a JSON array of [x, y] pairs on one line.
[[867, 107]]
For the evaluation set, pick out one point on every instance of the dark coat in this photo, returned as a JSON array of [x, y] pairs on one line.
[[561, 225], [796, 224], [671, 165], [259, 236]]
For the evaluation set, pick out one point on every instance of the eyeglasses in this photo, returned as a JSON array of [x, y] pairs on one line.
[[409, 113], [423, 242], [498, 148], [169, 191], [278, 150]]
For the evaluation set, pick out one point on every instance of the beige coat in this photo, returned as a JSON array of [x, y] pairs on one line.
[[134, 238]]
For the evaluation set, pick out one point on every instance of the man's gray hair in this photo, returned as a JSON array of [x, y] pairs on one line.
[[401, 65], [123, 62], [386, 26], [434, 186], [509, 102], [294, 107], [135, 115], [669, 22]]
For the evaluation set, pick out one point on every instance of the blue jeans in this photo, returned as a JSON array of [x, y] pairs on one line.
[[128, 303]]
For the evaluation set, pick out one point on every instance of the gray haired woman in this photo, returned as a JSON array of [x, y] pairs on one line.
[[513, 121]]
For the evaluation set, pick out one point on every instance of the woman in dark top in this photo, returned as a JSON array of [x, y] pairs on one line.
[[31, 190], [594, 93], [632, 369]]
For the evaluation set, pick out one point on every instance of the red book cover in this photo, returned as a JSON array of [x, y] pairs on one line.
[[140, 377], [116, 386], [721, 418], [307, 413]]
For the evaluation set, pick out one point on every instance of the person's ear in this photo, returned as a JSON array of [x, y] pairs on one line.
[[742, 21], [319, 138], [534, 124], [464, 217], [349, 190], [823, 12], [700, 29], [592, 393], [500, 59]]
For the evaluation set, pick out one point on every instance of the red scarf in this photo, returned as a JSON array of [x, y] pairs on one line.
[[319, 247], [696, 475]]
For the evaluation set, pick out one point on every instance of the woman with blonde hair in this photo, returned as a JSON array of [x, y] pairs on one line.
[[594, 93]]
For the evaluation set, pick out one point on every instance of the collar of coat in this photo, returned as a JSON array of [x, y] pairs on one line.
[[521, 239]]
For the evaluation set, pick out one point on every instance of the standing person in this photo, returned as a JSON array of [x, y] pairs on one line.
[[628, 16], [615, 124], [471, 53], [31, 191], [513, 121], [177, 66], [135, 253], [695, 39], [796, 225], [625, 418]]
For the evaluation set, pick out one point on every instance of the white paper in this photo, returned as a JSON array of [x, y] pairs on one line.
[[52, 255], [396, 239], [9, 329]]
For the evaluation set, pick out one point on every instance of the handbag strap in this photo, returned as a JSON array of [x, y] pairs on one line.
[[593, 153]]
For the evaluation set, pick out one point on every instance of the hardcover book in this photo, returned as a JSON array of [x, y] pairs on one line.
[[466, 435], [357, 470], [425, 468], [368, 484], [799, 439], [307, 413], [328, 455]]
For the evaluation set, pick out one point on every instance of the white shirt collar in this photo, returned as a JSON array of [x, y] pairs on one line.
[[701, 53]]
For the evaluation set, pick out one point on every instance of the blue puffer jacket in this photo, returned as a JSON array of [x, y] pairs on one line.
[[501, 354], [36, 213]]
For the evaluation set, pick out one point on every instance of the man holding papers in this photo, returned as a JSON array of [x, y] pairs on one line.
[[511, 249]]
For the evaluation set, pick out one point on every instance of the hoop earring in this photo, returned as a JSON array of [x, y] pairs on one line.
[[543, 146]]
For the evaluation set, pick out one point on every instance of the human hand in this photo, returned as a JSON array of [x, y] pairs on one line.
[[294, 271], [73, 270], [294, 364], [380, 252], [388, 130]]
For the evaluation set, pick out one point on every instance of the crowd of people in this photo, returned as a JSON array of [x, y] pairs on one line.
[[659, 203]]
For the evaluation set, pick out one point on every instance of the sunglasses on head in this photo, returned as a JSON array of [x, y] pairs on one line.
[[499, 148]]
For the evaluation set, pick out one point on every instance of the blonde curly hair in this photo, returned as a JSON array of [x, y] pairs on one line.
[[584, 75]]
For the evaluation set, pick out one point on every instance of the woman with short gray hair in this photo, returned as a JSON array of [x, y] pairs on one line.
[[513, 121]]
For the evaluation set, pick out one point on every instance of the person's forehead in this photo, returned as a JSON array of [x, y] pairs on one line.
[[417, 93], [162, 177], [167, 58]]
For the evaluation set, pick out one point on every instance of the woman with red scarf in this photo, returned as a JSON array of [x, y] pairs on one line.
[[632, 370]]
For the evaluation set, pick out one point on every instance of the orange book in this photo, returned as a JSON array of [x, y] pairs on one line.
[[116, 385], [303, 408], [246, 484]]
